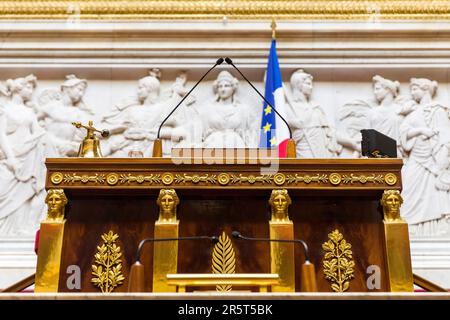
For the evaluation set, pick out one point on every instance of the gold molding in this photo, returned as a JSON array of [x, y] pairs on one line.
[[73, 178], [232, 9], [223, 179], [362, 178]]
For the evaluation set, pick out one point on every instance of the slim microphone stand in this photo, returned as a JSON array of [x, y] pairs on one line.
[[157, 145], [291, 147], [308, 274]]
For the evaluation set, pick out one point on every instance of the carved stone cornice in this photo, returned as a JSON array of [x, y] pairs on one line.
[[232, 9], [150, 173]]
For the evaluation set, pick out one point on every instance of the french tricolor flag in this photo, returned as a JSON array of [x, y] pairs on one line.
[[274, 132]]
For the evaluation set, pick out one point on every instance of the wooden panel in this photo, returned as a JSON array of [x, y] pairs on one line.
[[358, 219], [132, 218], [209, 207]]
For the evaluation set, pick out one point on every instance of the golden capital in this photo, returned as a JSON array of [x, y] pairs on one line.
[[391, 202], [279, 202], [56, 201], [167, 202]]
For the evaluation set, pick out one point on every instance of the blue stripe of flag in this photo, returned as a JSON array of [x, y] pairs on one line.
[[273, 82]]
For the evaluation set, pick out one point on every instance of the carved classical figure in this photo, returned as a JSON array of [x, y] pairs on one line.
[[391, 202], [385, 115], [167, 202], [56, 201], [425, 136], [353, 117], [136, 121], [279, 202], [22, 170], [311, 131], [186, 117], [58, 109], [226, 124]]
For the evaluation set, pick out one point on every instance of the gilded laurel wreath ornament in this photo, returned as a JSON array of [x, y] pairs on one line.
[[338, 265], [223, 259], [107, 270]]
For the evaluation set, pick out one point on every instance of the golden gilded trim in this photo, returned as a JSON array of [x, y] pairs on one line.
[[338, 265], [195, 178], [234, 9], [279, 179], [140, 179], [73, 178], [222, 179], [223, 259], [56, 178], [335, 179], [390, 179], [112, 179], [167, 178], [108, 257], [362, 179], [319, 178]]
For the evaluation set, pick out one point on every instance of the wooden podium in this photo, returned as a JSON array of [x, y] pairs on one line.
[[335, 205]]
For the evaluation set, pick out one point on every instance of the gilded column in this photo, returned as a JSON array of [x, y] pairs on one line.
[[397, 243], [165, 253], [282, 254], [50, 243]]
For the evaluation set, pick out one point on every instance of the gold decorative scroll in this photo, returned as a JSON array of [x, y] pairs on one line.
[[223, 260], [164, 179], [234, 9], [128, 178], [96, 178], [107, 270], [338, 265], [362, 178], [319, 178]]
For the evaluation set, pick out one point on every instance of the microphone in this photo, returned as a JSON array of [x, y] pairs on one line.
[[230, 62], [308, 273], [157, 145], [237, 235], [136, 277], [213, 240]]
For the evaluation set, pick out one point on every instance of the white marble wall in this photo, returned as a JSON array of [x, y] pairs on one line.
[[342, 57]]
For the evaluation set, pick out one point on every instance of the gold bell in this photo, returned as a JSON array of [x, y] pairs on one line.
[[90, 146]]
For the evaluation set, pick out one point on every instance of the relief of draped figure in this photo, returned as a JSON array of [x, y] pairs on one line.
[[23, 148], [425, 137]]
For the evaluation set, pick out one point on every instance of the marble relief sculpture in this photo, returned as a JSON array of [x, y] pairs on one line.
[[22, 152], [57, 109], [135, 122], [312, 133], [226, 121], [385, 115], [425, 137]]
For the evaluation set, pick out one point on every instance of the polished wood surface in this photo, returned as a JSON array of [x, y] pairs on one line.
[[206, 208]]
